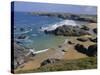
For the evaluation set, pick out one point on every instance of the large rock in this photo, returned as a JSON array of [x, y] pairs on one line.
[[92, 50], [81, 48], [67, 30]]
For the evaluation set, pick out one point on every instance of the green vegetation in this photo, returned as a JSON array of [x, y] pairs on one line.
[[65, 65]]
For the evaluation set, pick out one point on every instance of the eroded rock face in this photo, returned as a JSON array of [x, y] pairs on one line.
[[49, 61], [67, 30]]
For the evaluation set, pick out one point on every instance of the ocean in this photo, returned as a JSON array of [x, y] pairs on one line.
[[32, 26]]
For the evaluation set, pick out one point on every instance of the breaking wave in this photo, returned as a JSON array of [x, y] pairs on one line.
[[64, 22]]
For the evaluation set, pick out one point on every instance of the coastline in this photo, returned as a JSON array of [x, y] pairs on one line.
[[65, 52]]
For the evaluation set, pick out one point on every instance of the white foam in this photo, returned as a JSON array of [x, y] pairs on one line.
[[64, 22]]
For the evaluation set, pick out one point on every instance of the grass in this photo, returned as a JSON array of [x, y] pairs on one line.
[[65, 65]]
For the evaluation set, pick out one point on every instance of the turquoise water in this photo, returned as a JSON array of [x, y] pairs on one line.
[[35, 38]]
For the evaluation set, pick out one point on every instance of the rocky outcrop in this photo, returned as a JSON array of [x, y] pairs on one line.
[[80, 48], [49, 61], [19, 55], [67, 30], [90, 51], [93, 39], [87, 18]]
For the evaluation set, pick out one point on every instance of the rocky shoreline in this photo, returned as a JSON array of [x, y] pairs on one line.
[[67, 30], [79, 46]]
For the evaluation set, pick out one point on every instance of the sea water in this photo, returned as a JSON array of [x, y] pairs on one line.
[[33, 28]]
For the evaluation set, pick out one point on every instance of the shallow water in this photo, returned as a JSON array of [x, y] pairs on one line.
[[33, 27]]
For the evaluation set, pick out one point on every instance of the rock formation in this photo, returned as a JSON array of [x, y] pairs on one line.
[[67, 30], [19, 55]]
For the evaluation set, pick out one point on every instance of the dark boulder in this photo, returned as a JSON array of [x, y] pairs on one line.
[[49, 61], [69, 42], [92, 50], [22, 37], [95, 30], [84, 27], [93, 40], [82, 39], [81, 48], [63, 50]]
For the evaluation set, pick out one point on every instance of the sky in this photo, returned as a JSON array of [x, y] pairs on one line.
[[48, 7]]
